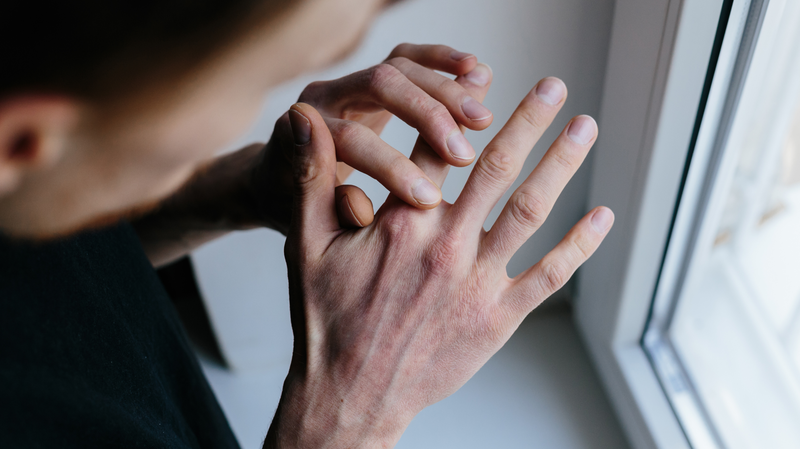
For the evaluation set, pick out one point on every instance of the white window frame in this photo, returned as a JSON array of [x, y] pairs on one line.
[[657, 67]]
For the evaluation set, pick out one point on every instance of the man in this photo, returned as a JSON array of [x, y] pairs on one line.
[[112, 110]]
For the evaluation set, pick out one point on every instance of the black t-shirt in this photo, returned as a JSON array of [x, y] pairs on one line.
[[92, 354]]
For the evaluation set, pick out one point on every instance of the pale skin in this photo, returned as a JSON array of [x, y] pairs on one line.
[[356, 109], [391, 312]]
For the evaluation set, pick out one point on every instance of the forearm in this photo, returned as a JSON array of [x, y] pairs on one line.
[[214, 201]]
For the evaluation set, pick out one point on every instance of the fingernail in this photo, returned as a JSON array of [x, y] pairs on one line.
[[346, 204], [301, 127], [582, 129], [425, 193], [551, 90], [480, 75], [459, 147], [474, 110], [602, 220], [460, 56]]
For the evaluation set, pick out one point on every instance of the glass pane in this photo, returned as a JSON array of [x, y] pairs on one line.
[[737, 325], [733, 328]]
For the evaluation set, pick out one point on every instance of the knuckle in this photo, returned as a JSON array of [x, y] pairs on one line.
[[533, 117], [347, 132], [398, 164], [304, 171], [563, 159], [452, 89], [398, 62], [554, 276], [431, 114], [497, 165], [382, 76], [584, 247], [528, 209], [398, 227], [441, 257], [567, 157], [312, 92], [436, 113]]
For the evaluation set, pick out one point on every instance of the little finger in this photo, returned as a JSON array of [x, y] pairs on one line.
[[540, 281]]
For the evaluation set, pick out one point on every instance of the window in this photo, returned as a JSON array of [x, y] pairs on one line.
[[723, 336], [691, 309]]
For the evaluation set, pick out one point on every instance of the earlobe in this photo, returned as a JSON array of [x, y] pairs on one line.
[[33, 133]]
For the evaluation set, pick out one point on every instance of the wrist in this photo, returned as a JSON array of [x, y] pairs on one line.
[[312, 415], [218, 196], [223, 194]]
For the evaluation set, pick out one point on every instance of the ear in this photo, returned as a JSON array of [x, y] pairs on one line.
[[33, 133]]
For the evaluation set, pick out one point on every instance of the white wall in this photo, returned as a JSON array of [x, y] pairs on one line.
[[243, 276]]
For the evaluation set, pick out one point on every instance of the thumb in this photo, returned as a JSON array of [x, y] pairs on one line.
[[314, 168]]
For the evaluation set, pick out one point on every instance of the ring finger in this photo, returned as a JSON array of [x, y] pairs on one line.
[[531, 203]]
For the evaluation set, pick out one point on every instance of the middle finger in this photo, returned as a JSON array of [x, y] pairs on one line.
[[502, 160]]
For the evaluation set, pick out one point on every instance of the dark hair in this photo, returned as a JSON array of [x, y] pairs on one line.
[[96, 49]]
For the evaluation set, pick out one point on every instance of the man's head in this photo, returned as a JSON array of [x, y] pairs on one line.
[[106, 106]]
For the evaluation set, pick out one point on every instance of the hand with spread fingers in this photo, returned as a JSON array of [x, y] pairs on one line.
[[395, 316], [254, 186]]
